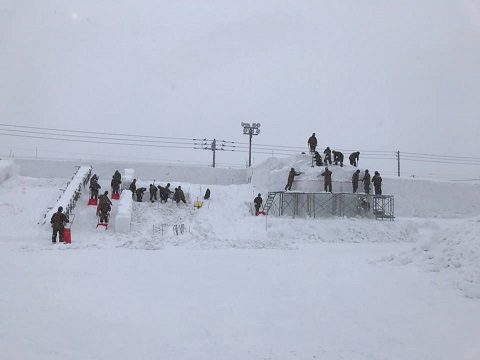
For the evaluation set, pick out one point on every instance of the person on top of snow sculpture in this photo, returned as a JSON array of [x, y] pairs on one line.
[[291, 177], [312, 142], [337, 158], [327, 180], [377, 183], [366, 182], [354, 157], [328, 156], [355, 179]]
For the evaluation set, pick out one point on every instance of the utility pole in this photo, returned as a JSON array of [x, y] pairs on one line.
[[254, 129], [398, 162], [214, 146]]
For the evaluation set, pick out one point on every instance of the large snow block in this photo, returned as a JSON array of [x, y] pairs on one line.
[[124, 213], [7, 170], [127, 178]]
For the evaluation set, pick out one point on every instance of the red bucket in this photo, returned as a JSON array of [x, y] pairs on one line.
[[67, 239], [92, 201], [115, 196]]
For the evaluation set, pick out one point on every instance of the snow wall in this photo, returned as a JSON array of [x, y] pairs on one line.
[[145, 171], [7, 169], [414, 197]]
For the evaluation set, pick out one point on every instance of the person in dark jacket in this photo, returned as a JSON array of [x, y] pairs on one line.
[[328, 156], [179, 195], [94, 178], [139, 192], [291, 177], [312, 142], [337, 158], [153, 193], [164, 192], [327, 181], [104, 199], [207, 194], [104, 212], [94, 189], [115, 184], [366, 182], [117, 176], [355, 179], [258, 202], [318, 159], [58, 221], [133, 187], [377, 183], [354, 157]]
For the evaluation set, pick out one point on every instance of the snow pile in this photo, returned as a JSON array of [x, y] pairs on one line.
[[451, 248], [127, 178], [7, 170], [124, 212]]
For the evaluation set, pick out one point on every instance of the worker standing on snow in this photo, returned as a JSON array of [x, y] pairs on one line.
[[258, 202], [58, 221]]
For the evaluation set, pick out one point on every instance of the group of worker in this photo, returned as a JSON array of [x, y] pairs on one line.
[[104, 205], [337, 155], [327, 183], [157, 192]]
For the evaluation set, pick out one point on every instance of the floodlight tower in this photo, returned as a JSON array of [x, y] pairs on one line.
[[250, 130]]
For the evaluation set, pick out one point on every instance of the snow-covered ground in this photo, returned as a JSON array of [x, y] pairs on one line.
[[236, 286]]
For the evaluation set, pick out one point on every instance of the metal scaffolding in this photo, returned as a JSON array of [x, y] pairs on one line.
[[324, 204]]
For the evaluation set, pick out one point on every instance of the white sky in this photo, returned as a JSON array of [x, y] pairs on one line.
[[367, 75]]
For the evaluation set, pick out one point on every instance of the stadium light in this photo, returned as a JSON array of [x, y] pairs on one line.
[[250, 130]]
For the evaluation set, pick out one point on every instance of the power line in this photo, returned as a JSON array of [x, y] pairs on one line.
[[96, 142]]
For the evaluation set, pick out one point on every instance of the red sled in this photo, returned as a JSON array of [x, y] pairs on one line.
[[92, 201], [67, 238], [261, 213], [102, 224], [115, 196]]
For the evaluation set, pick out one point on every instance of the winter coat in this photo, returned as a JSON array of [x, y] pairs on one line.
[[133, 186], [327, 174], [377, 180], [291, 176], [355, 178], [58, 219]]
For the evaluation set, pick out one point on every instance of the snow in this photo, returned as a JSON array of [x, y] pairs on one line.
[[233, 285], [124, 212]]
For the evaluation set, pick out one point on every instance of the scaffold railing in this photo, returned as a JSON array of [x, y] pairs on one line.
[[325, 204]]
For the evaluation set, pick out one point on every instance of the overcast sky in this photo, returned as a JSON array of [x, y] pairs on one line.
[[367, 75]]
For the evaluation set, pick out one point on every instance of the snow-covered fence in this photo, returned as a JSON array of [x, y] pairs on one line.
[[124, 212], [7, 170], [71, 193]]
